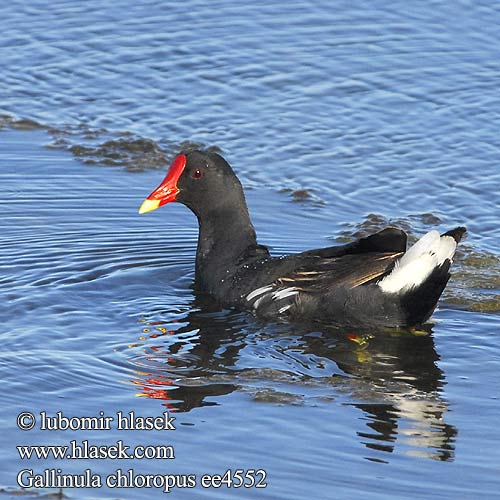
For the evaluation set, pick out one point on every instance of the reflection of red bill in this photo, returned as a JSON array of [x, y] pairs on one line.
[[154, 388]]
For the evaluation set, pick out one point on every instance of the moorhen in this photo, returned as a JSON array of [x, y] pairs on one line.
[[373, 281]]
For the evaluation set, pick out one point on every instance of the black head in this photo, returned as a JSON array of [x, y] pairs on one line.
[[202, 181]]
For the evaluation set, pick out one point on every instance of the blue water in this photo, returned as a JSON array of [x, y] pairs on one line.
[[339, 118]]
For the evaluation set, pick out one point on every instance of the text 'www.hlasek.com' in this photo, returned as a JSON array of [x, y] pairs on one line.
[[121, 477]]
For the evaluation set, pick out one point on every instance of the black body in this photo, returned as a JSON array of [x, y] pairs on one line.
[[334, 285]]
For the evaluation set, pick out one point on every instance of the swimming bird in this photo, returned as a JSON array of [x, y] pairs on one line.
[[372, 281]]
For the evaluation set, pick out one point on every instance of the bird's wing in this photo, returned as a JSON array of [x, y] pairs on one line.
[[318, 275], [386, 241]]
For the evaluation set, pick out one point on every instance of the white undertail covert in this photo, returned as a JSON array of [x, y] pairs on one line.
[[416, 265]]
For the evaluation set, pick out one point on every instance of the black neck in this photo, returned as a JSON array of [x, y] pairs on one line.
[[225, 234]]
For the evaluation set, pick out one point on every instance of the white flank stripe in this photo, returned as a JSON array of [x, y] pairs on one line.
[[259, 291], [258, 301], [418, 262], [284, 293]]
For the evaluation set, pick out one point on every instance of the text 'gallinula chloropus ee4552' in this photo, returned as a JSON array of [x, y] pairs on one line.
[[372, 281]]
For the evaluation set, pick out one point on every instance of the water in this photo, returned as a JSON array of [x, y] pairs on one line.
[[339, 118]]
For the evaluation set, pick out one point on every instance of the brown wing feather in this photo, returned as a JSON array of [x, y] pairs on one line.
[[349, 271]]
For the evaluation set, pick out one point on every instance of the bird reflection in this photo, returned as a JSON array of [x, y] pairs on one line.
[[392, 376]]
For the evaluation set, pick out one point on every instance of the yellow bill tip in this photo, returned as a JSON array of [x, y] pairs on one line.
[[148, 206]]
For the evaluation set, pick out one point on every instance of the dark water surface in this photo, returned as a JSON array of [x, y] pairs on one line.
[[340, 118]]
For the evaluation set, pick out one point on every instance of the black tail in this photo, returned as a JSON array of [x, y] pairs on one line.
[[457, 233]]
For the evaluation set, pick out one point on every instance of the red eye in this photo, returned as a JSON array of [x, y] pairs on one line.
[[197, 174]]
